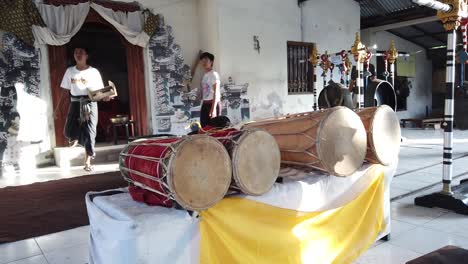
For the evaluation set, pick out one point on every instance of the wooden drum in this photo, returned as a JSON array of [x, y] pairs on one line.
[[256, 159], [383, 134], [193, 171], [332, 140]]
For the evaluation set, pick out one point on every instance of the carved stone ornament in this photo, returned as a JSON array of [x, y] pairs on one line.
[[392, 53], [452, 19]]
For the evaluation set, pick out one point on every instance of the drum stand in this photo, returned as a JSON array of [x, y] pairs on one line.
[[456, 198]]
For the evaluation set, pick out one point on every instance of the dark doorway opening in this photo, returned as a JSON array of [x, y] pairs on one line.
[[108, 55]]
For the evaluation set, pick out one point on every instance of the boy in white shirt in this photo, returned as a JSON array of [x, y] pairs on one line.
[[211, 94], [80, 127]]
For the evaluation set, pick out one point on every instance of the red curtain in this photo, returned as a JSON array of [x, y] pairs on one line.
[[137, 93], [58, 66]]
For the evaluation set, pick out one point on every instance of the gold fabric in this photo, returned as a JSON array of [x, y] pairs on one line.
[[18, 16], [150, 24], [239, 230]]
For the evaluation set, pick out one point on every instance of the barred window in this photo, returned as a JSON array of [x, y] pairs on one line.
[[300, 70]]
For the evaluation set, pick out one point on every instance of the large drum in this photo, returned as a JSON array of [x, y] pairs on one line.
[[194, 171], [383, 134], [333, 140], [256, 159]]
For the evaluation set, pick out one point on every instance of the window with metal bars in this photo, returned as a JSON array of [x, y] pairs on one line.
[[300, 69]]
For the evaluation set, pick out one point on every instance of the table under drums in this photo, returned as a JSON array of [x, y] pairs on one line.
[[124, 231]]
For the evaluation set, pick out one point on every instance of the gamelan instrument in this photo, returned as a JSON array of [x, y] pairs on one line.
[[333, 140], [383, 134], [256, 159], [108, 91], [193, 171]]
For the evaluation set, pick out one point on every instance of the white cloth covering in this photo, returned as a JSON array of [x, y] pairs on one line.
[[63, 22], [127, 232]]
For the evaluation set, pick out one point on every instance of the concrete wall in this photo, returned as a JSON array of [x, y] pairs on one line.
[[208, 28], [182, 15], [276, 22], [421, 93]]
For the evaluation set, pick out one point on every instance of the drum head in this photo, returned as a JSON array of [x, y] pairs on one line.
[[200, 172], [256, 162], [342, 142], [385, 135]]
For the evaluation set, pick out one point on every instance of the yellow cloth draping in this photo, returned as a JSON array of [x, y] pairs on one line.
[[239, 230]]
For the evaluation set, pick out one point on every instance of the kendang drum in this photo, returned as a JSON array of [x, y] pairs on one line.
[[383, 134], [193, 171], [256, 159], [332, 140]]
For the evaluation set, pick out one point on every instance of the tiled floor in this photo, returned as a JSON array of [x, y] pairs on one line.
[[51, 173], [415, 230]]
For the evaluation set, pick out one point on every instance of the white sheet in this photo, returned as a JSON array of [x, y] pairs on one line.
[[126, 232], [63, 22]]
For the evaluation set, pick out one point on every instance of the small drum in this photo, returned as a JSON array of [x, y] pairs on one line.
[[383, 134], [194, 171], [332, 140], [256, 159]]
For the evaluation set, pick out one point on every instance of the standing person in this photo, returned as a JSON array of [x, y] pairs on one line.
[[211, 94], [80, 127]]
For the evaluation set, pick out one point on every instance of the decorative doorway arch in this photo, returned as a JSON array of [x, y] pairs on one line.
[[136, 75]]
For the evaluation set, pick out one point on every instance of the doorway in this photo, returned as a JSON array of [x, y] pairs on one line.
[[107, 54], [120, 62]]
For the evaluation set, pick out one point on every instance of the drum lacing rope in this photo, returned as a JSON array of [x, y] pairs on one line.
[[169, 196], [300, 164], [164, 169]]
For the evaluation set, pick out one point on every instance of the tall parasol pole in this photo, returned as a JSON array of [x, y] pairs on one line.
[[314, 59], [359, 53], [451, 13], [392, 54]]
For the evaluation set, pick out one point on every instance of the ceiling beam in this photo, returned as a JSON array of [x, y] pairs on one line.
[[407, 39], [403, 24], [396, 17], [436, 36]]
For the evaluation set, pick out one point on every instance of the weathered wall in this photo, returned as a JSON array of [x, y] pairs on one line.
[[276, 22], [421, 93]]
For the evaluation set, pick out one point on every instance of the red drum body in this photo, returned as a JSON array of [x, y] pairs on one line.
[[194, 171]]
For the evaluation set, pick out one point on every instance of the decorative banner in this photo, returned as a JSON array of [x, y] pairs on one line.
[[175, 104], [406, 66], [235, 102]]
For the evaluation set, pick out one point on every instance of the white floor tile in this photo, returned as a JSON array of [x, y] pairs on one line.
[[424, 176], [450, 223], [407, 183], [387, 253], [18, 250], [78, 254], [410, 199], [395, 192], [34, 260], [64, 239], [399, 228], [415, 215], [424, 240]]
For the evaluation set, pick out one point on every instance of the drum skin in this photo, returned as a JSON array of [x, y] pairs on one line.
[[383, 134], [256, 159], [256, 162], [333, 140], [198, 173]]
